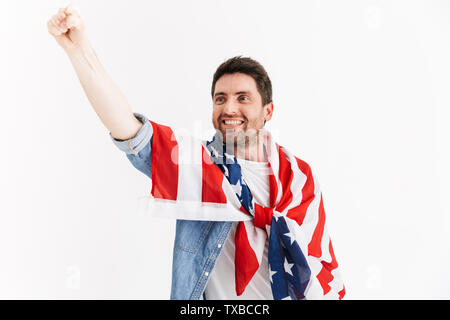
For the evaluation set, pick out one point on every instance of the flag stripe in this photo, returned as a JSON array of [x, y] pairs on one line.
[[164, 163], [273, 187], [342, 293], [325, 276], [212, 180], [298, 181], [246, 262], [189, 168], [275, 166], [298, 213], [285, 175], [314, 247]]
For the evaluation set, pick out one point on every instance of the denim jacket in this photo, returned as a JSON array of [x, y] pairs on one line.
[[197, 243]]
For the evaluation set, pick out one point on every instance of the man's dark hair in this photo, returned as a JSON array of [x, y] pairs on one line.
[[250, 67]]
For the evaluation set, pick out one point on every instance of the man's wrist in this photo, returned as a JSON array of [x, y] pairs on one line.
[[83, 56]]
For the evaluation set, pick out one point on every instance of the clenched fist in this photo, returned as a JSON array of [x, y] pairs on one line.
[[68, 28]]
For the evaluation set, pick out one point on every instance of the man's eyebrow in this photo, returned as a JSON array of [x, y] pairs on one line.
[[224, 94]]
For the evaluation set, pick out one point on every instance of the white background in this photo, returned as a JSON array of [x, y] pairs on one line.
[[361, 92]]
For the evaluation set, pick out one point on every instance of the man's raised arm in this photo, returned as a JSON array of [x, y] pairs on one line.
[[69, 30]]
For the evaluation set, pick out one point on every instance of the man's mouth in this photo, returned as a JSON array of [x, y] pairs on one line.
[[231, 123]]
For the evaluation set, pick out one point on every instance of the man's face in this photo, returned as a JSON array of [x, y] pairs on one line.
[[238, 111]]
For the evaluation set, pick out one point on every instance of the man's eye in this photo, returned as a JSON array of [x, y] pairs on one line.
[[243, 97], [217, 100]]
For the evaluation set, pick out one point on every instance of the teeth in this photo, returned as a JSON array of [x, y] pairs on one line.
[[233, 122]]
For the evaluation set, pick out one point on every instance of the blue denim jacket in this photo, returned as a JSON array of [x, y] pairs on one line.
[[197, 243]]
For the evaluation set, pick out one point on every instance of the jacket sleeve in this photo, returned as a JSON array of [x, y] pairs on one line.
[[138, 149]]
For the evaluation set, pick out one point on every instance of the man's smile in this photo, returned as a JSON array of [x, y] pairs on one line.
[[229, 123]]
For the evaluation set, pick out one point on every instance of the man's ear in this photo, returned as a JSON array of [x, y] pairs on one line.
[[268, 112]]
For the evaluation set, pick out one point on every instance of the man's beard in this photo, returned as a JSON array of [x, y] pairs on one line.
[[240, 138], [244, 139]]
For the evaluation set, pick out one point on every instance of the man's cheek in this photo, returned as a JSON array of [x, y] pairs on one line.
[[215, 122]]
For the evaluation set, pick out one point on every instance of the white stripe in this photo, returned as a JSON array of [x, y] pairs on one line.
[[298, 181], [336, 284], [189, 168], [191, 210], [325, 244], [275, 165], [314, 290], [331, 295], [230, 194], [312, 213]]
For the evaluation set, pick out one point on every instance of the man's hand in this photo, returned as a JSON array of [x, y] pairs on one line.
[[68, 28]]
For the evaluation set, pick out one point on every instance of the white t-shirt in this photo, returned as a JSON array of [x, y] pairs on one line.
[[221, 282]]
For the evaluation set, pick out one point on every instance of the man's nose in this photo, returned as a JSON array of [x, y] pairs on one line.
[[230, 107]]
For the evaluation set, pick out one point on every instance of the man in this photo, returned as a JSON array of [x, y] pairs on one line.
[[250, 217]]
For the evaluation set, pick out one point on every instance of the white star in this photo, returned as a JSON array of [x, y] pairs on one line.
[[227, 156], [271, 274], [214, 152], [237, 187], [291, 236], [288, 267]]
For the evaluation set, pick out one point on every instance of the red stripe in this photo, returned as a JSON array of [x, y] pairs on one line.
[[263, 216], [285, 174], [212, 179], [341, 293], [325, 276], [314, 247], [299, 212], [246, 263], [164, 163]]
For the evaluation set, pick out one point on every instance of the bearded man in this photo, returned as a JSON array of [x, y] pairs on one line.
[[250, 215]]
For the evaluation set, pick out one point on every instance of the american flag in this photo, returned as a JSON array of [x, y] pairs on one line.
[[202, 180]]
